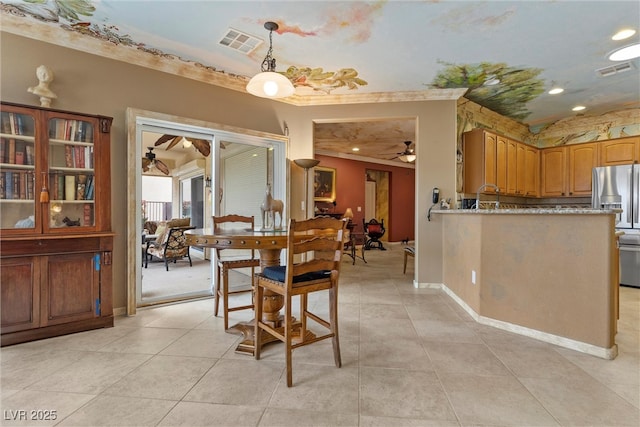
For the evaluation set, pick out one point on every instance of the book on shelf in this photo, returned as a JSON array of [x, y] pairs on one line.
[[22, 184], [8, 185], [81, 188], [28, 149], [16, 185], [20, 153], [59, 187], [15, 124], [30, 186], [6, 125], [88, 192], [80, 191], [71, 130], [69, 187], [88, 157], [3, 193], [88, 208], [12, 123], [78, 160], [3, 150], [68, 156], [11, 152]]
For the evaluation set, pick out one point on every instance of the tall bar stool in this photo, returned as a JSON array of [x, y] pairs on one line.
[[321, 240], [224, 264]]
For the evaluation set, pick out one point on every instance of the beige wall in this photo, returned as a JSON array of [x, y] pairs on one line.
[[92, 84], [552, 273]]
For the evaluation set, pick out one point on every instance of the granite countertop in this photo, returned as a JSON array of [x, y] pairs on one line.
[[530, 211]]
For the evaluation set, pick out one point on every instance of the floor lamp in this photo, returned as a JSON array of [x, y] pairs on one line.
[[306, 164]]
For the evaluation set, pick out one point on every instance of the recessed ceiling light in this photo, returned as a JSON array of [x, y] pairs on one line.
[[623, 34], [556, 90], [355, 149], [625, 53], [578, 108]]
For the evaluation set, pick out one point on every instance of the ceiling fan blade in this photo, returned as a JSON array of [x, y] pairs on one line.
[[202, 146], [173, 143], [162, 167], [163, 139], [145, 164]]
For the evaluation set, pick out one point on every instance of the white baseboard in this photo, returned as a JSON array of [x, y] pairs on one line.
[[603, 353]]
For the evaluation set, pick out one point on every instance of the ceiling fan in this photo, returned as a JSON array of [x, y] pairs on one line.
[[149, 161], [202, 145], [408, 155]]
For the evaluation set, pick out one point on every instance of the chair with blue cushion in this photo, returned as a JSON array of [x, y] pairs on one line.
[[314, 250]]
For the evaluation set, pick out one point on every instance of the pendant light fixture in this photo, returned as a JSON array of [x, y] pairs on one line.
[[268, 83]]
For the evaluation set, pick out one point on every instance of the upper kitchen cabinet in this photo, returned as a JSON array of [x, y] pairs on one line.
[[532, 171], [502, 144], [511, 186], [479, 150], [582, 159], [553, 172], [527, 170], [566, 171], [622, 151], [494, 159]]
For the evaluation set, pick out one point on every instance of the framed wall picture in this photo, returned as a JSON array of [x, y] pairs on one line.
[[324, 184]]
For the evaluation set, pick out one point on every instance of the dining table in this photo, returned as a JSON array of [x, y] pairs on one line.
[[269, 244]]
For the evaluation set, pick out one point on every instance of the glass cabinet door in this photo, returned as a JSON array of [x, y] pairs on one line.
[[71, 174], [17, 171]]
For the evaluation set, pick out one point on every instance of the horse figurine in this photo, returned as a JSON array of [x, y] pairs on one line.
[[269, 208]]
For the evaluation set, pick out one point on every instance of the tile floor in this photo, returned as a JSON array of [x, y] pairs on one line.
[[411, 357]]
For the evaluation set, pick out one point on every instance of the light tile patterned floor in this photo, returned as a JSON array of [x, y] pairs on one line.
[[411, 357]]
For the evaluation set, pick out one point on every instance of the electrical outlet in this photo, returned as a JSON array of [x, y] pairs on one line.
[[302, 206], [359, 209], [473, 277]]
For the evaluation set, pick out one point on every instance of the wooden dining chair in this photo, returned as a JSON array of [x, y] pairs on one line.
[[240, 259], [314, 250]]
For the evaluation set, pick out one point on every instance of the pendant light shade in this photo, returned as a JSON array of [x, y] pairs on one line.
[[268, 83], [407, 158]]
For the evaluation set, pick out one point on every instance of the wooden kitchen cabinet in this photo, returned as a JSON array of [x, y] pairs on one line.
[[553, 172], [532, 171], [20, 294], [56, 241], [567, 171], [479, 151], [512, 168], [582, 159], [501, 163], [621, 151], [493, 159], [523, 170], [521, 179]]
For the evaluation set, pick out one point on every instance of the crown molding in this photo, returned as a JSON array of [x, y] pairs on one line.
[[51, 32]]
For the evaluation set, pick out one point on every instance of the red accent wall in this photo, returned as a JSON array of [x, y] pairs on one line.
[[350, 179]]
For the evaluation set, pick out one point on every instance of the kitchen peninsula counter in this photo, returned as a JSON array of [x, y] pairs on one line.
[[551, 274], [531, 211]]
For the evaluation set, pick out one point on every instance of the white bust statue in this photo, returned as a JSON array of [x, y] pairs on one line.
[[45, 76]]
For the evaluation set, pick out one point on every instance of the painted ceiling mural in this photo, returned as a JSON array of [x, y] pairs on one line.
[[507, 53]]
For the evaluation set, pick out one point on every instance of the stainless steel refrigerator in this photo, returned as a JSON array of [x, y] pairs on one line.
[[619, 187]]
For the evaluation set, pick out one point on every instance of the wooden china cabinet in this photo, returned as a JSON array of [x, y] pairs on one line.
[[56, 241]]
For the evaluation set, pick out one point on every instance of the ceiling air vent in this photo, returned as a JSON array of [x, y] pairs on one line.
[[614, 69], [237, 40]]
